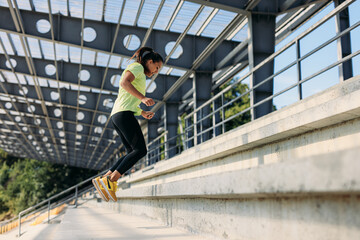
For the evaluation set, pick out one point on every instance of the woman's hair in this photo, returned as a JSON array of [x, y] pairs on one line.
[[146, 53]]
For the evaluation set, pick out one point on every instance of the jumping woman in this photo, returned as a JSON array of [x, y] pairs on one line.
[[131, 94]]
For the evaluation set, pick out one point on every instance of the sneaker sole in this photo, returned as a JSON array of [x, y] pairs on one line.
[[97, 187], [104, 186]]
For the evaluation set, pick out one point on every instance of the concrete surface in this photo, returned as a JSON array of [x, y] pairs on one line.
[[293, 174], [335, 105], [91, 222]]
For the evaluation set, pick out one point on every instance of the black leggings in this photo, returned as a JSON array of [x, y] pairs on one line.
[[132, 137]]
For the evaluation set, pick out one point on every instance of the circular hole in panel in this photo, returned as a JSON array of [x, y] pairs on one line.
[[25, 129], [31, 109], [131, 42], [42, 131], [54, 95], [115, 133], [102, 119], [82, 99], [59, 124], [37, 121], [77, 143], [30, 137], [61, 134], [50, 69], [18, 119], [13, 63], [84, 75], [80, 116], [108, 103], [34, 142], [89, 34], [45, 139], [63, 142], [48, 145], [98, 130], [37, 148], [78, 136], [23, 91], [8, 105], [178, 51], [115, 79], [43, 26], [152, 86], [79, 127], [57, 112]]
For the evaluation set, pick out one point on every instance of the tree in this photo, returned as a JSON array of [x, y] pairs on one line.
[[237, 106], [25, 182]]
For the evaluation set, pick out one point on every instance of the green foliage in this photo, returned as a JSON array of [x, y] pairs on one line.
[[25, 182], [237, 106]]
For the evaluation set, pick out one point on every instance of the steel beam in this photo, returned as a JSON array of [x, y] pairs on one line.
[[297, 20], [291, 5], [343, 43], [227, 5], [50, 96], [157, 40]]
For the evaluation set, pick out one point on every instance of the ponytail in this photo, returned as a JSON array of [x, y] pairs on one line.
[[146, 53]]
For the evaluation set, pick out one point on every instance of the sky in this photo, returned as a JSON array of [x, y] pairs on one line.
[[313, 63], [321, 59]]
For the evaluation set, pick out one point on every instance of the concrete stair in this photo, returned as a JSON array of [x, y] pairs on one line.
[[89, 221], [293, 174]]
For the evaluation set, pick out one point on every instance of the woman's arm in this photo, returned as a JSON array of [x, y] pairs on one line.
[[127, 85]]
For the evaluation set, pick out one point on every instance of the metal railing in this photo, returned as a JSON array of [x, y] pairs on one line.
[[52, 202], [210, 120]]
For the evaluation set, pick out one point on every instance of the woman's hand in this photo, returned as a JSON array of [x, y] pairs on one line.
[[147, 115], [147, 101]]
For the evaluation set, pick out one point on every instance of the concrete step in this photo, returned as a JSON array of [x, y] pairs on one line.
[[88, 221], [293, 174]]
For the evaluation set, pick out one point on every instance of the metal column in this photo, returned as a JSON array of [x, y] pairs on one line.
[[171, 126], [261, 30], [343, 43], [171, 120], [202, 84], [217, 117], [153, 151]]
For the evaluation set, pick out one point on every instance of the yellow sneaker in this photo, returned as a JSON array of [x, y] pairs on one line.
[[100, 189], [110, 187]]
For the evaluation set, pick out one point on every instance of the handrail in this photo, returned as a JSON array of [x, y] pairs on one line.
[[48, 200], [275, 54]]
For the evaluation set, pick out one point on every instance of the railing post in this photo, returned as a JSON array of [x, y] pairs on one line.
[[48, 211], [298, 68], [222, 113], [19, 225], [76, 195], [195, 116]]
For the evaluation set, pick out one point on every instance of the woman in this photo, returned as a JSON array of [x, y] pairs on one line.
[[131, 94]]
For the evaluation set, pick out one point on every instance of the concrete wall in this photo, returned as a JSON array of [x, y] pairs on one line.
[[293, 174]]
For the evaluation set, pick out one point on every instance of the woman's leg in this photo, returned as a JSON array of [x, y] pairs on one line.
[[131, 131], [126, 144]]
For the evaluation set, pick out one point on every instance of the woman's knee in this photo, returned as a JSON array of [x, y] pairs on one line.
[[142, 151], [128, 150]]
